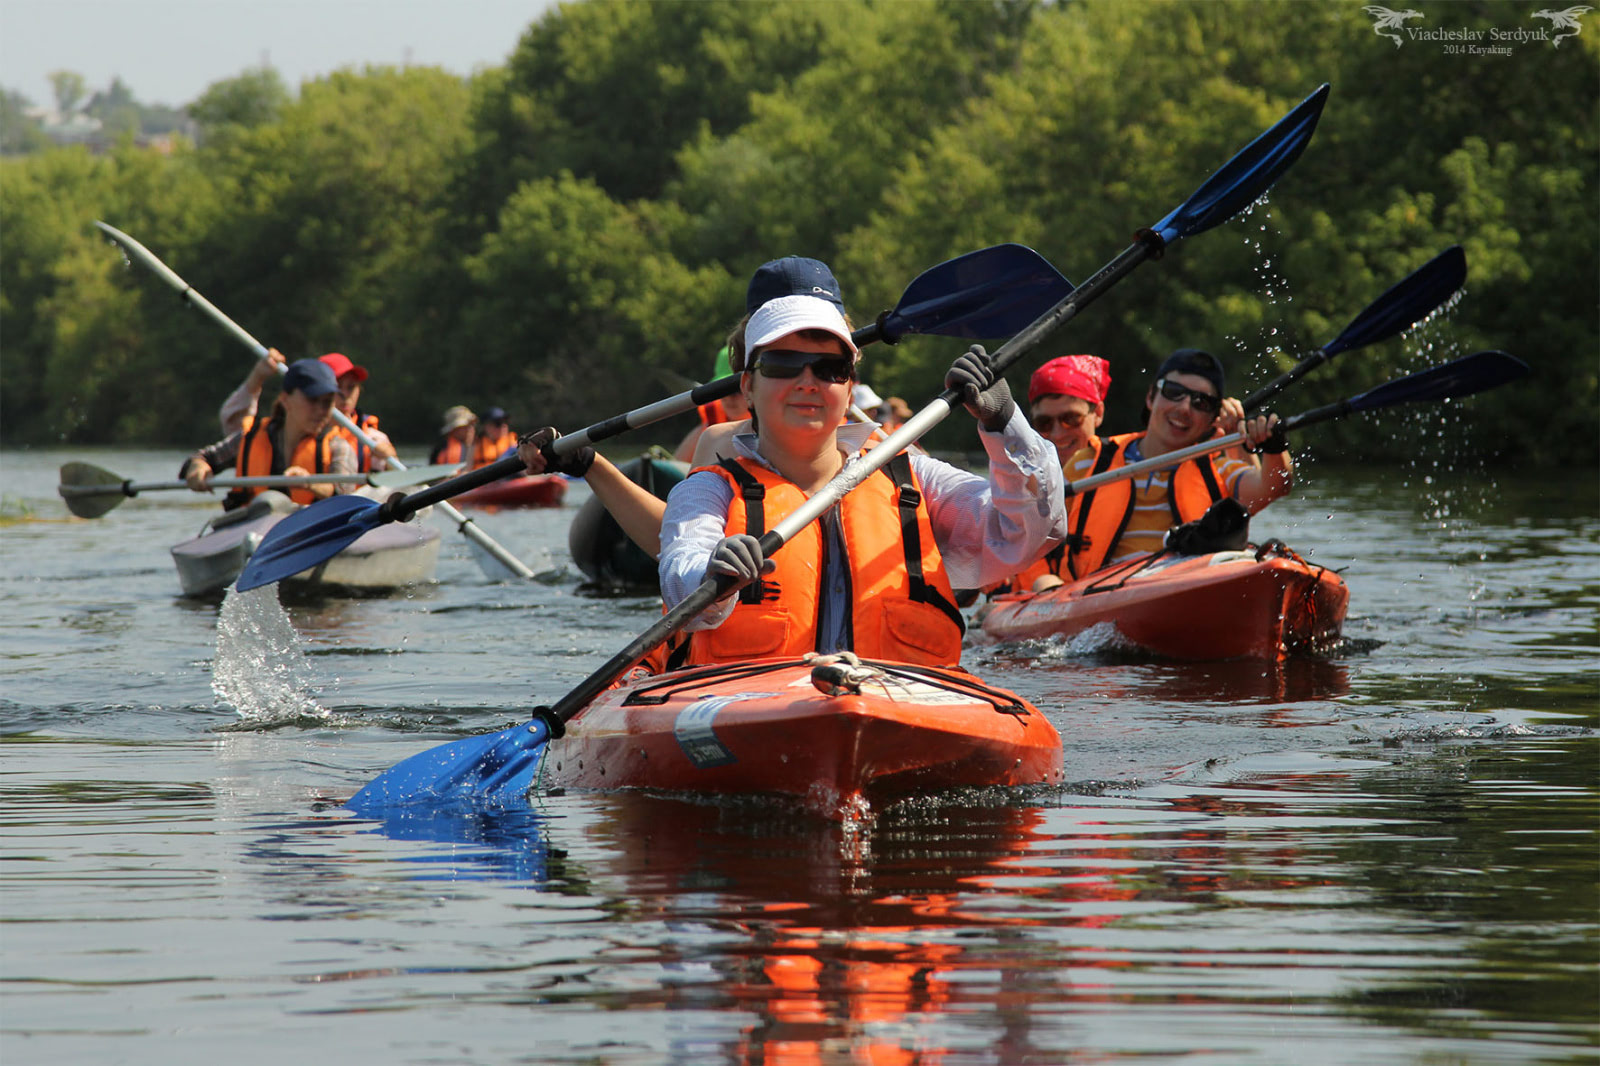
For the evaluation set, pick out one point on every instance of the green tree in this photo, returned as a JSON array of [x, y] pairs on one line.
[[69, 87], [253, 98], [19, 134]]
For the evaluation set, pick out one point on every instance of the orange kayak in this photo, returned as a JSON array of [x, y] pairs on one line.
[[1263, 603], [531, 490], [767, 727]]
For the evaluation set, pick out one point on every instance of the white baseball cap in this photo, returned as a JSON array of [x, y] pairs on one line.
[[863, 397], [793, 314]]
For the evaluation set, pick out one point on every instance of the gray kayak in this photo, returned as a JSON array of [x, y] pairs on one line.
[[389, 557]]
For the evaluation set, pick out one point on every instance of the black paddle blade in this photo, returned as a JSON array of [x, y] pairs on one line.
[[1247, 175], [1459, 377], [1406, 303], [309, 537], [991, 293]]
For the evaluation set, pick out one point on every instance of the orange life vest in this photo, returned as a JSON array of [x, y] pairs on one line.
[[1099, 516], [714, 413], [902, 606], [448, 450], [364, 455], [258, 458], [486, 450], [1053, 561]]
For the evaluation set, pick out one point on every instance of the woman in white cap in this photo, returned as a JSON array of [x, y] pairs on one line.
[[875, 574]]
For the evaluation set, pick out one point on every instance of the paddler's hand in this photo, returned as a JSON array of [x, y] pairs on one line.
[[1265, 436], [984, 393], [538, 454], [197, 474], [739, 556], [1230, 413], [266, 369]]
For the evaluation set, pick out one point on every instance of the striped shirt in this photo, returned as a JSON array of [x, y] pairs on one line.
[[1152, 516]]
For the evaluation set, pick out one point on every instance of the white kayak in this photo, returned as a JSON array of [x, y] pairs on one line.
[[391, 556]]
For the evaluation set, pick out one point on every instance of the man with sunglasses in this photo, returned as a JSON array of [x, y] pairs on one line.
[[1184, 406], [874, 575]]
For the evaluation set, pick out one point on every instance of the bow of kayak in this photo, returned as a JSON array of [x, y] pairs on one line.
[[1264, 603], [769, 727]]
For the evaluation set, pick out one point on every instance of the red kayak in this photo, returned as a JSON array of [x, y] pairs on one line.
[[530, 490], [872, 733], [1263, 603]]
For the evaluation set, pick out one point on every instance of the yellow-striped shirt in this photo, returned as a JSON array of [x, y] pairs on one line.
[[1152, 516]]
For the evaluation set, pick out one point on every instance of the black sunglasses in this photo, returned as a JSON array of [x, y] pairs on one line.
[[1070, 420], [1203, 402], [783, 363]]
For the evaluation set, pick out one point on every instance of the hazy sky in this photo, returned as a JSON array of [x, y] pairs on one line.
[[168, 51]]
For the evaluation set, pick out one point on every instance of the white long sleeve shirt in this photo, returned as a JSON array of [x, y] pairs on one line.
[[987, 528]]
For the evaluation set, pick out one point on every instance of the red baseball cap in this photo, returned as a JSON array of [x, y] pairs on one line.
[[341, 365], [1087, 377]]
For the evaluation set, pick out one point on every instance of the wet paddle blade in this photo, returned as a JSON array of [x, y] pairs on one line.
[[991, 293], [1242, 179], [90, 491], [309, 537], [1406, 302], [1459, 377], [495, 768]]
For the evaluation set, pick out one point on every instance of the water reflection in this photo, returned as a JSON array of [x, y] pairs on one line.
[[1229, 683]]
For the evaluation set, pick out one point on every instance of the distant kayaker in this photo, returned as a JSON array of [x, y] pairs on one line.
[[352, 379], [1185, 404], [874, 575], [243, 401], [493, 438], [296, 439], [1066, 402], [456, 433]]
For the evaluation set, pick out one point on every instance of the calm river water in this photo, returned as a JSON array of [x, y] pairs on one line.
[[1384, 856]]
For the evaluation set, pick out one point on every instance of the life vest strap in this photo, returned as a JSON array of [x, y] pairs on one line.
[[754, 493], [909, 500]]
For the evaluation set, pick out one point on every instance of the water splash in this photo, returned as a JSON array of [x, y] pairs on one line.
[[259, 669]]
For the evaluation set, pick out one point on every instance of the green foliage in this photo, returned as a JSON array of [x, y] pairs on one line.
[[19, 134], [254, 98], [571, 234]]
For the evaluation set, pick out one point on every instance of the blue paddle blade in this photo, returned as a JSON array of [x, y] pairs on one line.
[[1407, 302], [1242, 179], [309, 537], [1459, 377], [991, 293], [492, 769]]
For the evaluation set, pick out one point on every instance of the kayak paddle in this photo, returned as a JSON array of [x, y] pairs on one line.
[[500, 767], [493, 551], [991, 292], [1406, 303], [1459, 377], [90, 491]]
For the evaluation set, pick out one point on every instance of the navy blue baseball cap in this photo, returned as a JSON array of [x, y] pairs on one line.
[[793, 275], [312, 377], [1193, 361]]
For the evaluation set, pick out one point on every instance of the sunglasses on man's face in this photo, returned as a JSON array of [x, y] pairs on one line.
[[782, 363], [1203, 402], [1067, 419]]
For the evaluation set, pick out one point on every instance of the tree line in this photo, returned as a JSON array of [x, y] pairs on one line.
[[569, 235]]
